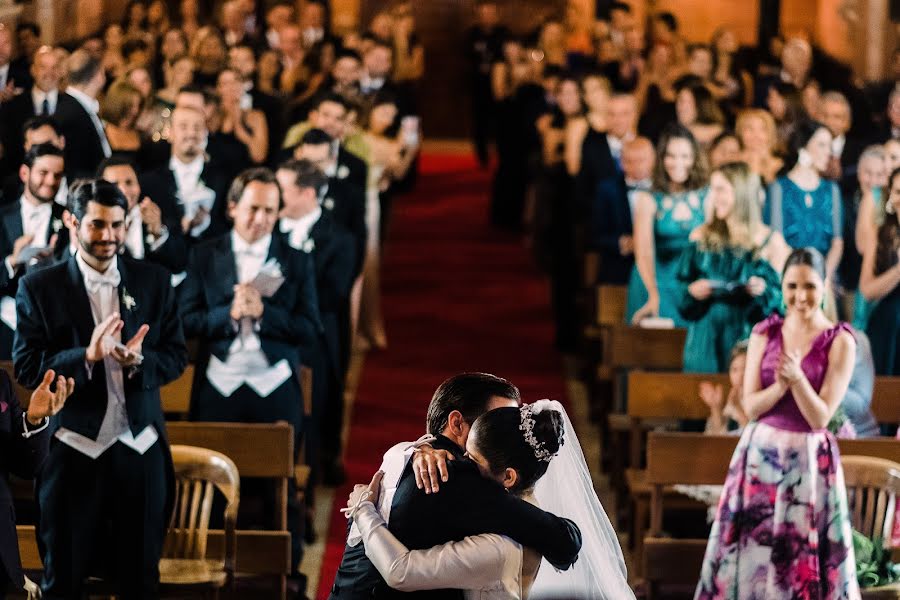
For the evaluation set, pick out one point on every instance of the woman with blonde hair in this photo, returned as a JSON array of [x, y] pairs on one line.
[[119, 112], [728, 273], [755, 129]]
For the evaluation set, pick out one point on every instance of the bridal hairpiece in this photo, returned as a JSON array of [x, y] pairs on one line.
[[526, 426]]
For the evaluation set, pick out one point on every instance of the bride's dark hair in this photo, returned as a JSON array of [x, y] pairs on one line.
[[502, 443]]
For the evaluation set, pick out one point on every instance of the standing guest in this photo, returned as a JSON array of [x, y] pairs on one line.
[[804, 206], [247, 125], [158, 22], [725, 148], [409, 53], [119, 111], [880, 281], [134, 18], [484, 47], [755, 129], [177, 73], [108, 478], [696, 109], [112, 61], [242, 59], [784, 103], [190, 19], [172, 44], [638, 161], [663, 221], [251, 345], [279, 15], [210, 55], [37, 130], [726, 412], [845, 147], [731, 81], [28, 40], [583, 129], [13, 77], [727, 273], [152, 232], [798, 369], [77, 113]]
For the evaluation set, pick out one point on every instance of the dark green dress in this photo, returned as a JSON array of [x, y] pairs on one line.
[[716, 324]]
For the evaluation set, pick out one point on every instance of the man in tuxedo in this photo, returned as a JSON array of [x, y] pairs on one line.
[[190, 182], [467, 504], [77, 113], [13, 77], [32, 230], [332, 248], [484, 47], [342, 198], [845, 147], [252, 340], [24, 442], [110, 324], [41, 99], [280, 15], [152, 231], [37, 130]]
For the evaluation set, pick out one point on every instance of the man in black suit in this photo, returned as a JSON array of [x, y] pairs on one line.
[[77, 114], [37, 130], [332, 248], [484, 47], [24, 442], [152, 230], [467, 504], [845, 146], [109, 323], [13, 76], [191, 183], [40, 99], [341, 197], [31, 230]]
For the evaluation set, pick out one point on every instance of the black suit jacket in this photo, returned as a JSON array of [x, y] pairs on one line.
[[13, 115], [358, 169], [84, 149], [290, 320], [54, 334], [345, 202], [21, 457], [468, 504], [162, 187]]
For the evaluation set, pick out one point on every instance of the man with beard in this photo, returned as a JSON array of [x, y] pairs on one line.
[[32, 230], [109, 323]]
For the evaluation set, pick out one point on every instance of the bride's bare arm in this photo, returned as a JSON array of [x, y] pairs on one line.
[[473, 563]]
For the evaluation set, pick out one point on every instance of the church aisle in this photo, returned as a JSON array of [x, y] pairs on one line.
[[457, 296]]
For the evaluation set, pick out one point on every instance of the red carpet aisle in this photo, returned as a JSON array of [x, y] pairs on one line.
[[457, 296]]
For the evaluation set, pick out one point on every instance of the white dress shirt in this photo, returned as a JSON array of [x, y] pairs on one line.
[[103, 293], [38, 96], [92, 106], [246, 363], [192, 192], [837, 145], [36, 222], [134, 234], [299, 228], [4, 76]]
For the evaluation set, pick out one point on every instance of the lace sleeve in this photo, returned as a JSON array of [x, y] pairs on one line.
[[479, 561]]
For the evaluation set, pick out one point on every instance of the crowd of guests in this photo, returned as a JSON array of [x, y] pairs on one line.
[[254, 154]]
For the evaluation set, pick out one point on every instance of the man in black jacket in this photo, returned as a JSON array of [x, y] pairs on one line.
[[467, 503], [110, 324]]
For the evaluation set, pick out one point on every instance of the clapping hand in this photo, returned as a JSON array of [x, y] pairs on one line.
[[46, 403], [362, 493], [247, 302], [790, 368], [756, 286], [188, 223], [97, 349], [151, 216], [713, 395], [430, 468], [131, 355], [700, 289]]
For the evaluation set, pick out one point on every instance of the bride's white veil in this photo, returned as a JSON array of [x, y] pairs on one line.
[[566, 490]]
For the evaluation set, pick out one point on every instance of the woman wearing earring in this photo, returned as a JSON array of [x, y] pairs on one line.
[[802, 205], [782, 528], [663, 221], [880, 281]]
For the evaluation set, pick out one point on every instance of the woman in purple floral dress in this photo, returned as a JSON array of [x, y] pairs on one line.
[[782, 528]]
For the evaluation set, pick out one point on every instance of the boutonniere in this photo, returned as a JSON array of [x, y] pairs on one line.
[[328, 204], [128, 300], [309, 245], [342, 172], [56, 225]]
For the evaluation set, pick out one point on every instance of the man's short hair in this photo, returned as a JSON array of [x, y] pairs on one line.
[[348, 53], [29, 26], [316, 137], [837, 97], [248, 176], [39, 121], [39, 150], [97, 190], [468, 393], [306, 173], [324, 97], [132, 45], [623, 6], [114, 161], [82, 67]]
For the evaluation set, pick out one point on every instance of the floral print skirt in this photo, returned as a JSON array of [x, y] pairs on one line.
[[782, 528]]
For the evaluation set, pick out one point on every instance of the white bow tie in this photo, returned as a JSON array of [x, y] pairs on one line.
[[94, 281]]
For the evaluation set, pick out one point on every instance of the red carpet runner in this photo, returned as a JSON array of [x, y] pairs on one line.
[[457, 296]]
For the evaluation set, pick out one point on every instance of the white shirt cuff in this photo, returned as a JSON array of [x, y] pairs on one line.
[[27, 432], [162, 239], [9, 268], [89, 367]]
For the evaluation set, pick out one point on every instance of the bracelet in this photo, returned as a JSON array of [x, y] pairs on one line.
[[351, 512]]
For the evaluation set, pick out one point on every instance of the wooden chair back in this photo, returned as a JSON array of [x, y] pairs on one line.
[[176, 395], [873, 487], [886, 400], [612, 301], [641, 348], [199, 472], [22, 393]]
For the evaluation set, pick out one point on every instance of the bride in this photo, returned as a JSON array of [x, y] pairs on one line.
[[533, 452]]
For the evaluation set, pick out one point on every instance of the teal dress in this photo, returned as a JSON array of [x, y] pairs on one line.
[[716, 324], [676, 216], [865, 307]]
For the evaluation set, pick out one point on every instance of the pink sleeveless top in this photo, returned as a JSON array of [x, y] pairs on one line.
[[786, 414]]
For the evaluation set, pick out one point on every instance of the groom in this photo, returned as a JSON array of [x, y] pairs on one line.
[[467, 505]]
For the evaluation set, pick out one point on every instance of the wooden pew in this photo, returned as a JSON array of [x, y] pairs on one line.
[[886, 400], [23, 393], [176, 395], [698, 459]]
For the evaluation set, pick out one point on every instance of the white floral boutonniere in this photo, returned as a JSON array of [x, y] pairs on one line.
[[56, 225], [128, 300], [309, 245], [328, 204], [342, 172]]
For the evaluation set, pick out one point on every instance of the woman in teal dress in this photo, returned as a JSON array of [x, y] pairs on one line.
[[727, 275], [663, 221], [872, 173], [880, 280]]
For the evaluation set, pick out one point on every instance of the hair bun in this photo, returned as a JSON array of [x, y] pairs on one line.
[[549, 429]]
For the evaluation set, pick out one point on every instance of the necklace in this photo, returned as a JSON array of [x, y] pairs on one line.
[[808, 200]]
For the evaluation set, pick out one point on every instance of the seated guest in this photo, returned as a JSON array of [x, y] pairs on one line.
[[151, 232], [190, 181], [37, 130], [858, 399], [726, 274], [726, 413], [251, 344], [332, 248], [342, 198], [32, 226]]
